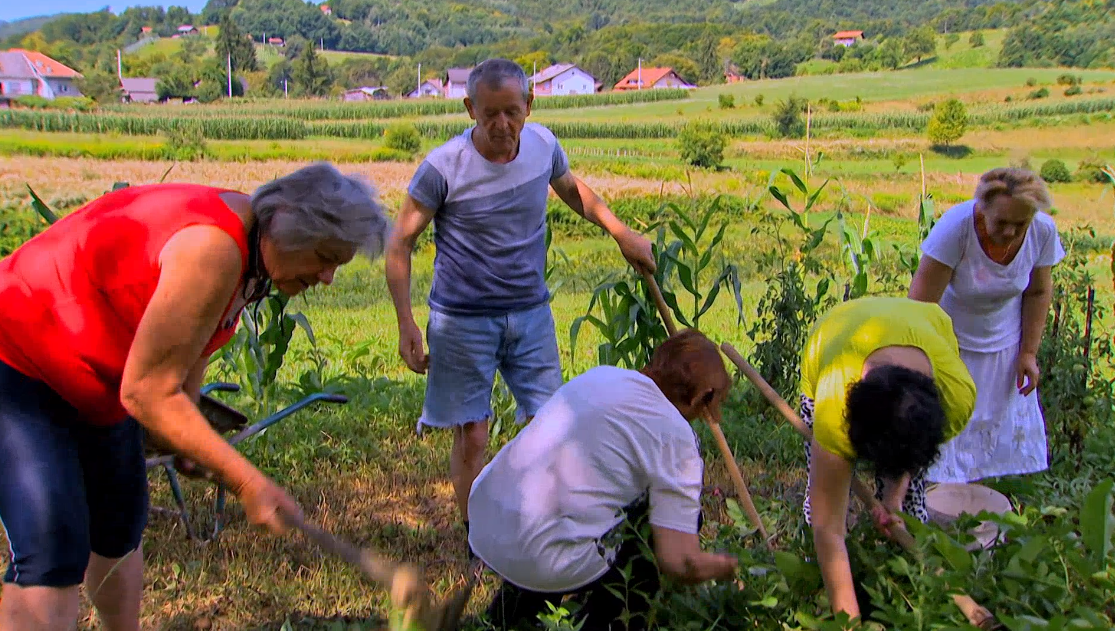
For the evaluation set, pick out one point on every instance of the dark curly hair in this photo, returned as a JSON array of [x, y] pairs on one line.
[[895, 420]]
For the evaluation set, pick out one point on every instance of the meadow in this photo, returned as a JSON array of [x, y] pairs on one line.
[[361, 471]]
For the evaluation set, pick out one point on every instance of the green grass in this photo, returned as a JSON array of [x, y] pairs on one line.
[[962, 55]]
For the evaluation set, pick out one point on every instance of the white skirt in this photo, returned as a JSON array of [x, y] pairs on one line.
[[1006, 434]]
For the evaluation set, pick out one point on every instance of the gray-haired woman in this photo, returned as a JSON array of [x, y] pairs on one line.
[[109, 319]]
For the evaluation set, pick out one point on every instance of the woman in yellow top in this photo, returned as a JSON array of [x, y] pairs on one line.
[[882, 381]]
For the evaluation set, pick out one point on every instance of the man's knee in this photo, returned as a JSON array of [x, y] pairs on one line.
[[473, 439]]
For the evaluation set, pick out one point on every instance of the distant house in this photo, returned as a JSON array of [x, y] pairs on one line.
[[326, 9], [31, 73], [652, 78], [430, 87], [731, 76], [847, 38], [456, 82], [144, 31], [365, 93], [276, 41], [187, 29], [560, 79], [139, 89]]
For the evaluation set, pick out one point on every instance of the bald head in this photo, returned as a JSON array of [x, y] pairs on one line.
[[689, 370]]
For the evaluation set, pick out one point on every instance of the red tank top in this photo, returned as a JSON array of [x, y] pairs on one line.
[[71, 298]]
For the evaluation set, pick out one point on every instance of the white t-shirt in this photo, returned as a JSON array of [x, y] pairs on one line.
[[540, 512], [984, 298]]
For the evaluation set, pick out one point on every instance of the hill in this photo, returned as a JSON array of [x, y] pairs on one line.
[[24, 25]]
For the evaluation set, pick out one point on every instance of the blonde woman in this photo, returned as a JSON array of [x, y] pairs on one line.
[[988, 263]]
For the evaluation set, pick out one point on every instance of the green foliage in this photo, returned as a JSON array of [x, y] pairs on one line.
[[920, 42], [403, 137], [184, 143], [759, 100], [787, 117], [726, 101], [1091, 170], [1054, 171], [975, 40], [311, 73], [701, 145], [629, 320], [1075, 395], [789, 307], [1073, 90], [951, 40], [949, 122], [236, 46], [1040, 93]]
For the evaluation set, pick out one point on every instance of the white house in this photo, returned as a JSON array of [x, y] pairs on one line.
[[456, 82], [27, 73], [561, 79], [847, 38], [430, 87], [367, 93]]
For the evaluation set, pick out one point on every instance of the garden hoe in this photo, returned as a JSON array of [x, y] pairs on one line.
[[409, 592], [721, 442], [976, 614]]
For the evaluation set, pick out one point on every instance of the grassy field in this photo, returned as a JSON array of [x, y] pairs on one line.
[[361, 471]]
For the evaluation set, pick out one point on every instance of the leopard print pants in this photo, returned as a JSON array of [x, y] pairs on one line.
[[914, 502]]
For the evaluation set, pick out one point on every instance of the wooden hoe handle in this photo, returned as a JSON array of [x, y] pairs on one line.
[[721, 442], [976, 614]]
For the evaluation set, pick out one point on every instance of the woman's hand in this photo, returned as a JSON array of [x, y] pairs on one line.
[[1028, 373], [886, 521]]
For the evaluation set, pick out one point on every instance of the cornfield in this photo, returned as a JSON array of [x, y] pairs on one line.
[[275, 127], [345, 111]]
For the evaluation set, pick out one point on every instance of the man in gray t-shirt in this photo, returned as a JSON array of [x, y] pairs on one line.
[[485, 191]]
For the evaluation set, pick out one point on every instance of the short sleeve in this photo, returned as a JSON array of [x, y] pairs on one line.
[[947, 238], [560, 162], [1052, 251], [829, 427], [428, 186], [676, 474]]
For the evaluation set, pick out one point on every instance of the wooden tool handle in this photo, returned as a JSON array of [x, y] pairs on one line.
[[378, 568], [721, 442], [973, 611]]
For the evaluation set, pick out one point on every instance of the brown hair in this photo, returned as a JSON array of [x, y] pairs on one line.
[[1021, 184], [686, 363]]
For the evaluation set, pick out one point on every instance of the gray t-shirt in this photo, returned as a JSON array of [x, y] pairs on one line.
[[543, 512], [489, 222]]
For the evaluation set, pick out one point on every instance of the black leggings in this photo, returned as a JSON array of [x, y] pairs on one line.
[[600, 608]]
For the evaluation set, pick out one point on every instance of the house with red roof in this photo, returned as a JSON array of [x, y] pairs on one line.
[[652, 78], [847, 38], [31, 73]]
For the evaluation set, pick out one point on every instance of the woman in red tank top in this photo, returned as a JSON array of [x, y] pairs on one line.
[[109, 317]]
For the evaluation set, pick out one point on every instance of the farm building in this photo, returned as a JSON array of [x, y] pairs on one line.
[[456, 81], [430, 87], [366, 93], [187, 29], [276, 41], [561, 79], [30, 73], [847, 38], [139, 89], [652, 78]]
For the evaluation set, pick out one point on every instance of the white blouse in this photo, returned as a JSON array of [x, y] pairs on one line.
[[984, 298]]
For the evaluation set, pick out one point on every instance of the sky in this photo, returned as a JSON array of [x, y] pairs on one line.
[[16, 9]]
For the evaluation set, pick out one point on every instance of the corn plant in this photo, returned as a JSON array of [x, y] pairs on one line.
[[629, 320], [788, 308]]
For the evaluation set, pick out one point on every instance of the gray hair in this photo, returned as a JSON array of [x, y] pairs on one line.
[[493, 73], [318, 204]]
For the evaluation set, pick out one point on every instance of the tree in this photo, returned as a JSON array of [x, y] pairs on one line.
[[920, 42], [701, 145], [102, 87], [976, 40], [787, 117], [948, 124], [232, 41], [311, 73]]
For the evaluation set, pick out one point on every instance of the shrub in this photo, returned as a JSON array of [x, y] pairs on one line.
[[1090, 169], [184, 142], [1073, 90], [948, 124], [1031, 82], [976, 39], [1040, 93], [701, 145], [403, 137], [951, 39], [787, 117], [1055, 171], [1069, 79], [727, 101], [759, 100]]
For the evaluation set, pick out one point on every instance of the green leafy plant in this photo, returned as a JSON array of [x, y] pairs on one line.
[[948, 124], [701, 145], [1054, 171]]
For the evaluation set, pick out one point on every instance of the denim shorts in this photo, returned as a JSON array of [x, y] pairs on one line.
[[67, 488], [466, 351]]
